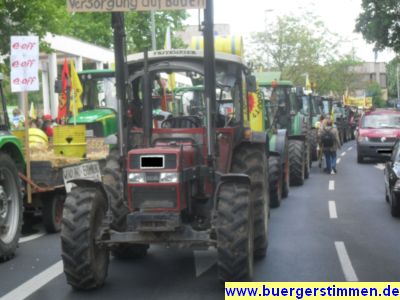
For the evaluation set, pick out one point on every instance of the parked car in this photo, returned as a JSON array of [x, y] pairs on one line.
[[377, 132], [392, 181]]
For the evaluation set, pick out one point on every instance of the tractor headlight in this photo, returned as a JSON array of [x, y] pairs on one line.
[[137, 178], [363, 139], [169, 177]]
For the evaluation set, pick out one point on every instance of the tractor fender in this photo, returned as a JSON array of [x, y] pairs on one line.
[[278, 143], [260, 138], [223, 178]]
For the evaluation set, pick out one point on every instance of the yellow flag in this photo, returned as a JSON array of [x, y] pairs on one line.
[[76, 91], [32, 112], [308, 84]]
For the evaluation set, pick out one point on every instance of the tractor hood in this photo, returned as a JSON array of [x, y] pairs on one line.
[[91, 116]]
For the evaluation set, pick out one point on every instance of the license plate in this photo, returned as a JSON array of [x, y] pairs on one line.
[[87, 171]]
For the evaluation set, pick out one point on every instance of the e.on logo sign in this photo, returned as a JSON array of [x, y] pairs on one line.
[[24, 63]]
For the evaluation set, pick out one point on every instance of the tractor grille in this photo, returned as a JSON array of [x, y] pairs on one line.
[[154, 197], [169, 163], [379, 140]]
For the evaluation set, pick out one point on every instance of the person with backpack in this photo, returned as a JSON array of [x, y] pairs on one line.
[[329, 141]]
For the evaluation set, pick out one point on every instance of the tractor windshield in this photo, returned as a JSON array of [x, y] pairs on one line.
[[98, 91], [178, 97], [305, 105]]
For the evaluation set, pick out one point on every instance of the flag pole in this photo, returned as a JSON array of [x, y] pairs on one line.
[[27, 150]]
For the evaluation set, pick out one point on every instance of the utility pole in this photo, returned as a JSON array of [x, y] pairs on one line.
[[398, 85]]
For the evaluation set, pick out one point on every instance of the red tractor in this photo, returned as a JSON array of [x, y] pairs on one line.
[[199, 180]]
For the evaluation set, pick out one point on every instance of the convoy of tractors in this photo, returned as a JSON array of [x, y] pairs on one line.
[[195, 165]]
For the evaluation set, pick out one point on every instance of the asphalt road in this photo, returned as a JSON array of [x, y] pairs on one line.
[[334, 228]]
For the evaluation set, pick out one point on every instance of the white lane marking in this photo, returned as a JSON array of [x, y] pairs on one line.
[[380, 167], [338, 160], [35, 283], [331, 185], [343, 154], [332, 210], [204, 260], [351, 148], [345, 262], [31, 237]]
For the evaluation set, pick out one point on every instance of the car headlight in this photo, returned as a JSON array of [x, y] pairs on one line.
[[169, 177], [137, 178], [363, 139]]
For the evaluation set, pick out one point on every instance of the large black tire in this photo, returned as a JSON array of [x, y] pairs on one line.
[[11, 207], [394, 207], [85, 262], [360, 158], [275, 181], [234, 230], [307, 162], [112, 180], [251, 160], [286, 173], [314, 144], [296, 162], [52, 210]]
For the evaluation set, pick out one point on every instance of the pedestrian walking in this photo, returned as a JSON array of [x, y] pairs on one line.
[[329, 141]]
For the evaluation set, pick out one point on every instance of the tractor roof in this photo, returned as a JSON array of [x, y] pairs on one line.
[[266, 78], [184, 54], [97, 73]]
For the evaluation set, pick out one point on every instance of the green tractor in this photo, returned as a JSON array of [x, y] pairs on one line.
[[99, 103], [291, 114], [263, 114], [11, 206]]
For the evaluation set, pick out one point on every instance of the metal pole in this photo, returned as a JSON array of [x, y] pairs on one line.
[[398, 85], [209, 79], [118, 25], [153, 31], [147, 104]]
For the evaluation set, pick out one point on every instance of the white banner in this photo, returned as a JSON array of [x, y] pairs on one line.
[[24, 63], [132, 5]]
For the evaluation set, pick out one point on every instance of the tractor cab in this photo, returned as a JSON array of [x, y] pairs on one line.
[[99, 103]]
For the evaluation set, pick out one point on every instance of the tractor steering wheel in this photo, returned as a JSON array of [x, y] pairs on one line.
[[182, 122]]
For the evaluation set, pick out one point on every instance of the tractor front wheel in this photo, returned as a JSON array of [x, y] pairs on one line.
[[252, 161], [234, 230], [10, 207], [296, 162], [275, 181], [85, 262]]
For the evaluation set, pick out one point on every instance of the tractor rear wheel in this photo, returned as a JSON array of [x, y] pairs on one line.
[[275, 181], [307, 162], [85, 262], [10, 207], [234, 230], [251, 160], [296, 162], [112, 180]]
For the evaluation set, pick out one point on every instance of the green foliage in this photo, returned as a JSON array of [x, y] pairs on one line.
[[391, 69], [299, 45], [379, 23], [374, 91]]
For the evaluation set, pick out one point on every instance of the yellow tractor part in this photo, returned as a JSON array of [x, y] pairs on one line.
[[36, 137], [231, 44]]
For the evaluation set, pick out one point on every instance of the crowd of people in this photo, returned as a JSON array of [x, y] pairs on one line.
[[45, 123]]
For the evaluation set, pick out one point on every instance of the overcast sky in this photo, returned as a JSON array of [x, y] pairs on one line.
[[339, 16]]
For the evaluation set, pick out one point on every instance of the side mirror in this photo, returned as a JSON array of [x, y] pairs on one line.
[[251, 83], [58, 86]]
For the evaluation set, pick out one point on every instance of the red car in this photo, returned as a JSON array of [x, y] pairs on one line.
[[377, 132]]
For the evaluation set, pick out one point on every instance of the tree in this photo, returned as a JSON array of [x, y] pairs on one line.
[[379, 23], [374, 91], [391, 69], [299, 45]]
